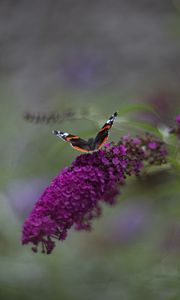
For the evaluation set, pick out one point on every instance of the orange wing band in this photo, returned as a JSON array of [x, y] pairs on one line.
[[105, 127], [75, 137], [80, 149], [103, 142]]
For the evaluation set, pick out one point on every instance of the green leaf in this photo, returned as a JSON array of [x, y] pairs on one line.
[[136, 107], [145, 127]]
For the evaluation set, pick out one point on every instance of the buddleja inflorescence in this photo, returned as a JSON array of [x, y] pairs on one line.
[[75, 196]]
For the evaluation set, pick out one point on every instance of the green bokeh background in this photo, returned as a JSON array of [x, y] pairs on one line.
[[93, 58]]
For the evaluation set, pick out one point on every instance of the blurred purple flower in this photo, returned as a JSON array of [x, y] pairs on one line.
[[176, 129], [152, 145], [136, 141], [128, 224], [82, 70], [155, 149], [161, 101], [73, 198], [178, 119], [108, 145], [24, 193]]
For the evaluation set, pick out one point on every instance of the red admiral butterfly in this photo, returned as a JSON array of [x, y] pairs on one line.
[[93, 143]]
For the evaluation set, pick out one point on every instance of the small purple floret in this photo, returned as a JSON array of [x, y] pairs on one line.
[[152, 145]]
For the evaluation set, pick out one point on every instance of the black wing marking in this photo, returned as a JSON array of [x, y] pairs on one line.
[[75, 141], [102, 135]]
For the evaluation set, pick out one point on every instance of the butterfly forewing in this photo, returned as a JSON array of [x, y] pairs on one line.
[[100, 139], [75, 141], [102, 135]]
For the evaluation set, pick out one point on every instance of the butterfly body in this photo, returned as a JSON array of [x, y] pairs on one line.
[[92, 144]]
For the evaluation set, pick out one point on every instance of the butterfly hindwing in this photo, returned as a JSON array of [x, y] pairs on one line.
[[80, 145]]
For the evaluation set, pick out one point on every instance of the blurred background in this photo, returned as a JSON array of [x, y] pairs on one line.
[[83, 60]]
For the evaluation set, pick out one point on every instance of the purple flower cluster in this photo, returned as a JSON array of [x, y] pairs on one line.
[[74, 197], [176, 130], [154, 149]]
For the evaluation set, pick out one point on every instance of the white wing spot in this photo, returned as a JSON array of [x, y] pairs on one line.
[[109, 121], [65, 134]]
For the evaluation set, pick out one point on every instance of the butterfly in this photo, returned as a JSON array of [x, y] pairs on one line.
[[91, 144]]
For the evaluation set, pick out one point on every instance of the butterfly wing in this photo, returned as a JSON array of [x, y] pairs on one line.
[[102, 135], [75, 141]]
